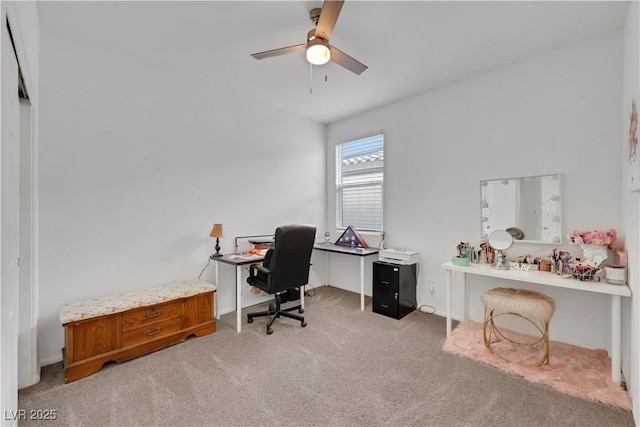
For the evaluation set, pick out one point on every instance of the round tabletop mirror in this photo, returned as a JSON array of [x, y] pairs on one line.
[[500, 240]]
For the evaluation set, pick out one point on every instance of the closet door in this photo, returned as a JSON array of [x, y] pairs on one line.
[[9, 225]]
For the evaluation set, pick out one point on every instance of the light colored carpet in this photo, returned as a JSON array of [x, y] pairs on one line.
[[575, 370], [346, 368]]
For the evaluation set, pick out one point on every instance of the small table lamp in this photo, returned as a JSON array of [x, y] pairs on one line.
[[217, 233]]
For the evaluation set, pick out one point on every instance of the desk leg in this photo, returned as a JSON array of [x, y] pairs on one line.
[[361, 283], [449, 273], [215, 305], [326, 268], [616, 320], [239, 299], [465, 296]]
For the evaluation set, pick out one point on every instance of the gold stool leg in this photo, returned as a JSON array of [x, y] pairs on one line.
[[545, 360], [495, 331], [487, 340]]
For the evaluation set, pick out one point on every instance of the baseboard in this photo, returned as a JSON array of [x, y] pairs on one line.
[[444, 314], [50, 360]]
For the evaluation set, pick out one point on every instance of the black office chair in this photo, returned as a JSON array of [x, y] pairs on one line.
[[285, 268]]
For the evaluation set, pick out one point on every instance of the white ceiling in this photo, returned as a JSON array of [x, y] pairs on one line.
[[410, 46]]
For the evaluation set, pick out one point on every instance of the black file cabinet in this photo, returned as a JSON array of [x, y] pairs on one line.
[[394, 289]]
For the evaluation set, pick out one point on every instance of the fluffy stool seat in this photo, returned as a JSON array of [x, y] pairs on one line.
[[533, 306]]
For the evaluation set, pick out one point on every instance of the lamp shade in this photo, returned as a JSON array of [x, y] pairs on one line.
[[318, 52], [216, 231]]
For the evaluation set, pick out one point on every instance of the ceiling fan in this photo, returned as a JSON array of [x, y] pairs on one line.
[[319, 51]]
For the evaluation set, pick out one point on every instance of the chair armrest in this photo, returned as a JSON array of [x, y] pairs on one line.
[[258, 267]]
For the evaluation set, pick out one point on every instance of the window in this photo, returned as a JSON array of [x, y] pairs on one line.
[[359, 177]]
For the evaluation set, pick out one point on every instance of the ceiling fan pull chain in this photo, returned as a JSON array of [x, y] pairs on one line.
[[325, 78], [310, 78]]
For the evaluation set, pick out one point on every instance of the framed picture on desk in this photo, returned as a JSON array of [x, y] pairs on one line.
[[351, 238]]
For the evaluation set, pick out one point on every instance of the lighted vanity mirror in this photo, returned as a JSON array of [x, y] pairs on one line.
[[526, 207]]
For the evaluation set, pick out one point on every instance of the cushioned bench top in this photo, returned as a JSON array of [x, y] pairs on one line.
[[527, 303], [110, 304]]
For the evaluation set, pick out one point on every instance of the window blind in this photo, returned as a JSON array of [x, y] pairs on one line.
[[359, 178]]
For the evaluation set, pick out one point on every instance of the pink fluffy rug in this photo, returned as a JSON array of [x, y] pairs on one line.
[[573, 370]]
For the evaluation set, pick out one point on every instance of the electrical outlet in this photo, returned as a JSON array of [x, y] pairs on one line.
[[432, 286]]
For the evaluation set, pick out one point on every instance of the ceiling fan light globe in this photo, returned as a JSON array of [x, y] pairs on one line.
[[318, 54]]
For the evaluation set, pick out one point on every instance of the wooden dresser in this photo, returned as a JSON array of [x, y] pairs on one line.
[[120, 327]]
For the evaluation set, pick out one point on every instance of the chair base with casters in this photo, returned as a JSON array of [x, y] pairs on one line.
[[275, 311]]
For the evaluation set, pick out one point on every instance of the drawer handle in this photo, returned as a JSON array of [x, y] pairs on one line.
[[385, 282], [150, 333], [156, 313], [396, 296]]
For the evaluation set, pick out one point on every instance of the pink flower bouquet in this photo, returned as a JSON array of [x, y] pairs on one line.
[[594, 237]]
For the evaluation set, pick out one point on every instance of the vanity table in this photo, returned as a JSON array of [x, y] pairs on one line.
[[615, 293]]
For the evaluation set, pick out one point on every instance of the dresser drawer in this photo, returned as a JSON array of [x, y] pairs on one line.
[[386, 275], [385, 301], [151, 331], [154, 313]]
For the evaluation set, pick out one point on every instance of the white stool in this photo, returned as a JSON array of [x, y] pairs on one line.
[[532, 306]]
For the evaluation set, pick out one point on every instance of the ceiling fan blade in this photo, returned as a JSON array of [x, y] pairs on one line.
[[328, 18], [278, 52], [341, 58]]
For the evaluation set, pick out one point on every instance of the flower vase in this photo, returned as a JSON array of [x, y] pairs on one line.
[[594, 254]]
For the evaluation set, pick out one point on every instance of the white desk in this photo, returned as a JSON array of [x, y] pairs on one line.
[[346, 250], [239, 261], [548, 279]]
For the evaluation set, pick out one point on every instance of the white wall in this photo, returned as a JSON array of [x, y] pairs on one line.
[[136, 164], [630, 211], [556, 113]]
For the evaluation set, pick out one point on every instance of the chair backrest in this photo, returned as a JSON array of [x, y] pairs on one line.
[[291, 257]]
